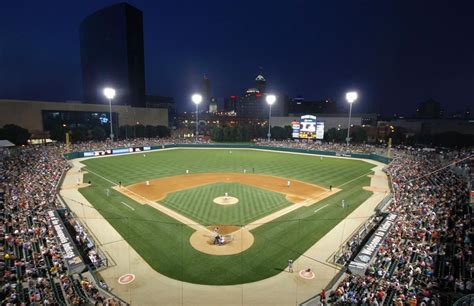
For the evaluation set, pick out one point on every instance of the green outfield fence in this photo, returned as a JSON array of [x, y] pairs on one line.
[[372, 156]]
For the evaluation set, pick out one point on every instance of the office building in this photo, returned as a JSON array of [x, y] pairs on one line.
[[260, 83], [164, 103], [213, 106], [230, 104], [206, 94], [112, 55]]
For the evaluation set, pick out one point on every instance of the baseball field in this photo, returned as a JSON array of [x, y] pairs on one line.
[[270, 207]]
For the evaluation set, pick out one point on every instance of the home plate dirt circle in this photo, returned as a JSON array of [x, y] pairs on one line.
[[307, 274], [126, 279], [226, 200], [236, 240]]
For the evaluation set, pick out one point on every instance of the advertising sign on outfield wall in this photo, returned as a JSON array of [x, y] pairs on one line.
[[116, 151]]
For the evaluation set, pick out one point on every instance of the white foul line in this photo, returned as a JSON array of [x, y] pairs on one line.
[[128, 205], [320, 208]]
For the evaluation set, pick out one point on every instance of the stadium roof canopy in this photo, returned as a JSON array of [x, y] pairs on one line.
[[5, 144]]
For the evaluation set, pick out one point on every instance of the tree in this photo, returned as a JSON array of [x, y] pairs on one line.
[[246, 134], [58, 133], [14, 133], [163, 131], [129, 132], [336, 135], [227, 134], [358, 134], [151, 131], [278, 133], [79, 134], [217, 134], [98, 133], [237, 134], [288, 131], [139, 130]]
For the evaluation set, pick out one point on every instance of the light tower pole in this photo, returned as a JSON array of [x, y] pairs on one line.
[[109, 93], [197, 98], [351, 96], [270, 100]]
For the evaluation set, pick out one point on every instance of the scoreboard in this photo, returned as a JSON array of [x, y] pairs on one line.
[[308, 128]]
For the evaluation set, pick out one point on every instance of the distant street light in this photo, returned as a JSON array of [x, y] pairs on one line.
[[197, 98], [109, 93], [351, 96], [270, 100]]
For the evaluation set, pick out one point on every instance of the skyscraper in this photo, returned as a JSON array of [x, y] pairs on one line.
[[112, 55], [206, 94], [213, 106], [252, 104], [230, 104], [260, 83]]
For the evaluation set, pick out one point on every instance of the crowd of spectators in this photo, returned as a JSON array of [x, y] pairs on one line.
[[32, 268], [427, 256], [323, 146], [126, 143]]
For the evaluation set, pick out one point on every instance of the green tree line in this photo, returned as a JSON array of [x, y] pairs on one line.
[[100, 133]]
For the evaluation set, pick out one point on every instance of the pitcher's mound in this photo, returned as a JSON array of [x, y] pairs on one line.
[[226, 200], [236, 240]]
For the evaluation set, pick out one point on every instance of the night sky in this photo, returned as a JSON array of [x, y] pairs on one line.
[[395, 53]]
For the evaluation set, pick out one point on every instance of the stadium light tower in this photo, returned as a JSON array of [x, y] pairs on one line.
[[270, 100], [351, 96], [109, 93], [197, 98]]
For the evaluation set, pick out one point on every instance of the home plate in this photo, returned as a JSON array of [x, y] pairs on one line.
[[126, 279]]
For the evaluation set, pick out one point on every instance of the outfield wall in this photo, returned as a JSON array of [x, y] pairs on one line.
[[115, 151]]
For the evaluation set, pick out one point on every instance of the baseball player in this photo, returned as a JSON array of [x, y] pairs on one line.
[[290, 265]]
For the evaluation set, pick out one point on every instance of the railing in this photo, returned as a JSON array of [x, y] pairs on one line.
[[384, 203], [104, 291], [467, 300]]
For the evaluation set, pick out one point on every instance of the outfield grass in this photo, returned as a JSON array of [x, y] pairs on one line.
[[164, 243], [197, 203]]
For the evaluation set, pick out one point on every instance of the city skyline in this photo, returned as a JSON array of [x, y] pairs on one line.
[[396, 55]]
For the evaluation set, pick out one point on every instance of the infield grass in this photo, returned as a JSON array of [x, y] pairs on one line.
[[197, 203], [164, 243]]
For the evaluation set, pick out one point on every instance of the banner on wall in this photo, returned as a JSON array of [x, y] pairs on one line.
[[116, 151], [365, 256]]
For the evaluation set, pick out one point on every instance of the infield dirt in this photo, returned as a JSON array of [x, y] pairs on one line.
[[158, 189], [237, 239]]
